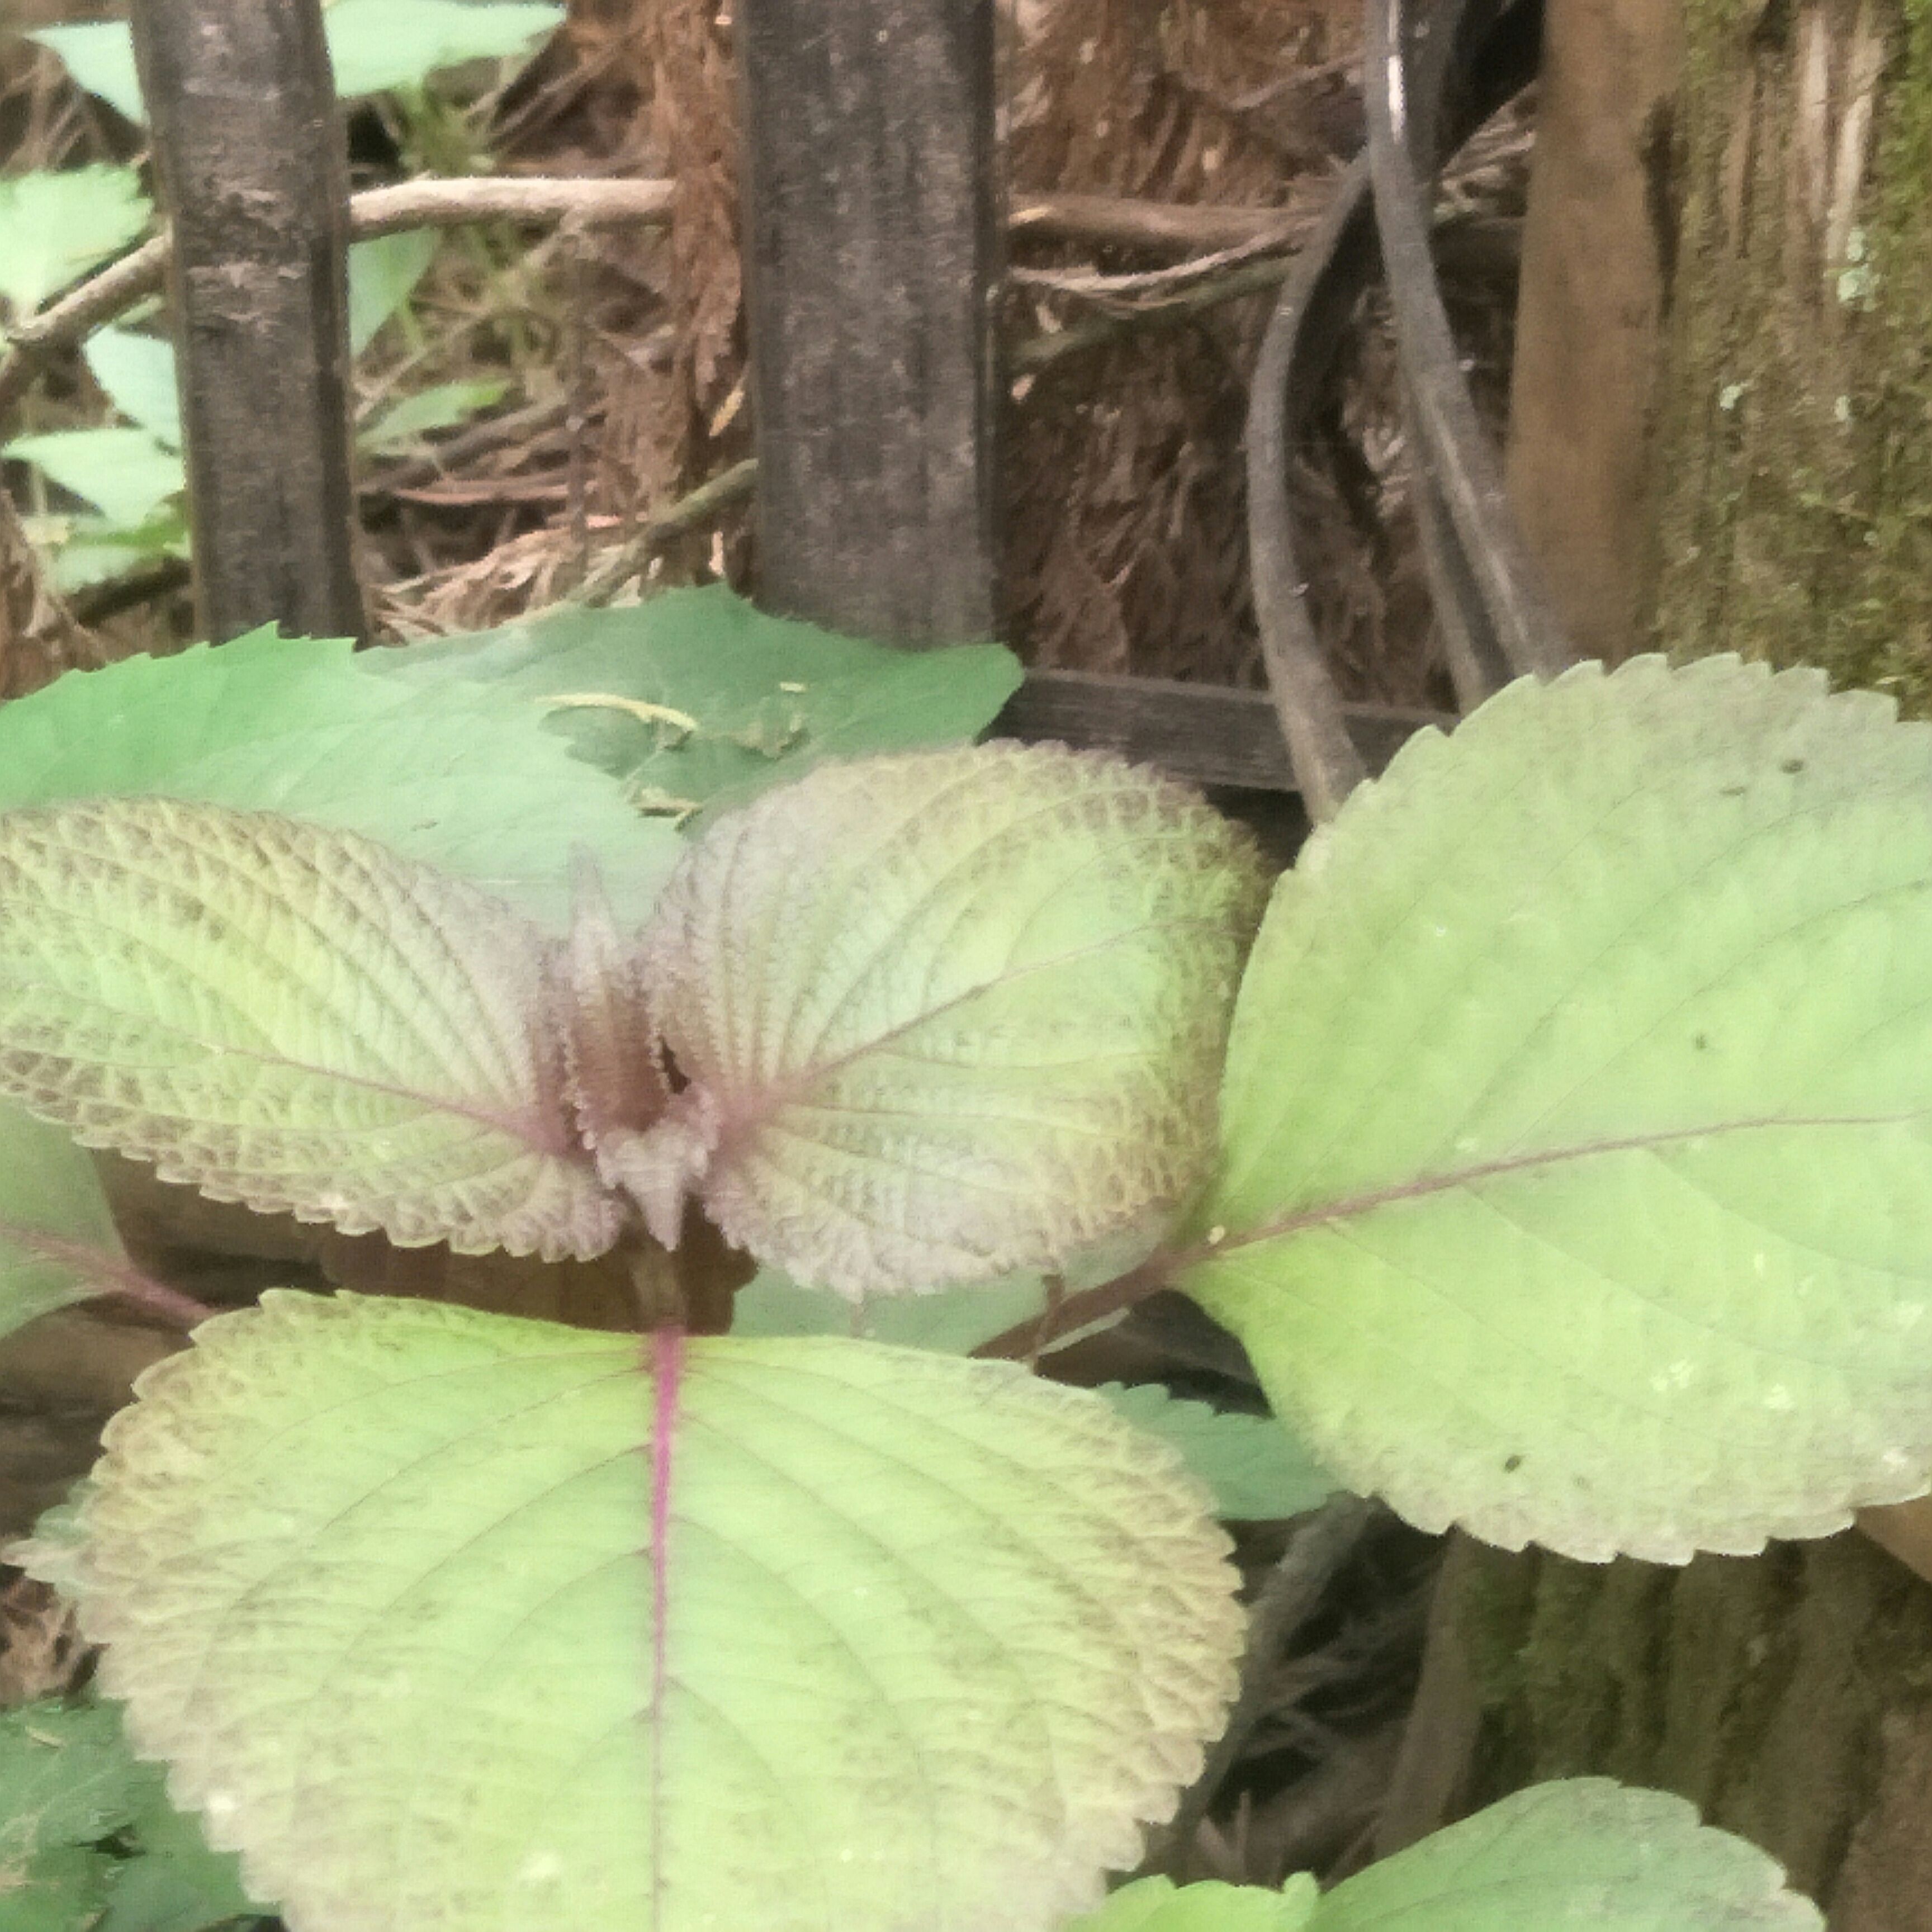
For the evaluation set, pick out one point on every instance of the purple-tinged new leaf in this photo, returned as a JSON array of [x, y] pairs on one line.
[[616, 1086], [945, 1016], [291, 1017]]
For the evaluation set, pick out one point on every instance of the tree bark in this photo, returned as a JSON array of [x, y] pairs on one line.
[[1786, 1695], [1792, 515]]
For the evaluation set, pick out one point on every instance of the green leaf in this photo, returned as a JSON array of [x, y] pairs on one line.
[[67, 1778], [383, 273], [67, 1782], [290, 1017], [378, 44], [57, 1244], [945, 1016], [137, 372], [696, 698], [173, 1882], [373, 44], [1158, 1905], [81, 551], [1256, 1469], [126, 474], [99, 57], [461, 778], [62, 1891], [1580, 1851], [445, 1618], [443, 406], [953, 1321], [1577, 1183], [55, 227]]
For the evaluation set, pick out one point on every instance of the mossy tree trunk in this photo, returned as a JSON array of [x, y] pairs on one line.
[[1789, 517], [1793, 509], [1790, 1695]]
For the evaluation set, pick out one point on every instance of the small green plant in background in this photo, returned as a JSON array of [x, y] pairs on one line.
[[1554, 1136], [55, 226]]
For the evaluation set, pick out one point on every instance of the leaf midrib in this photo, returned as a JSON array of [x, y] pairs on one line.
[[1351, 1207]]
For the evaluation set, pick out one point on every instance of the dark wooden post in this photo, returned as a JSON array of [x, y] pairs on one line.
[[872, 241], [248, 157]]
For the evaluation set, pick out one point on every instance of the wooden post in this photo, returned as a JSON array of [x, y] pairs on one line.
[[248, 157], [1595, 284], [872, 241]]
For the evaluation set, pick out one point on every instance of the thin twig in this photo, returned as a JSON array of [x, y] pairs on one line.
[[619, 565], [441, 204], [1284, 235], [1108, 221], [382, 210], [1028, 358], [587, 199]]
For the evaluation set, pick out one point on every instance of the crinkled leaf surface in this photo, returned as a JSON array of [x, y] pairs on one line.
[[732, 700], [461, 778], [616, 1086], [945, 1016], [1255, 1468], [290, 1017], [1580, 1851], [55, 225], [441, 1618], [1160, 1905], [57, 1239], [1578, 1172]]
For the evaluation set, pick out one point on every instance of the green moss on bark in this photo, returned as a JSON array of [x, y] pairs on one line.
[[1760, 1689], [1794, 500]]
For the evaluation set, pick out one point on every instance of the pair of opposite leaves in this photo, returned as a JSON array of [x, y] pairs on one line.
[[1571, 1179], [943, 1017]]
